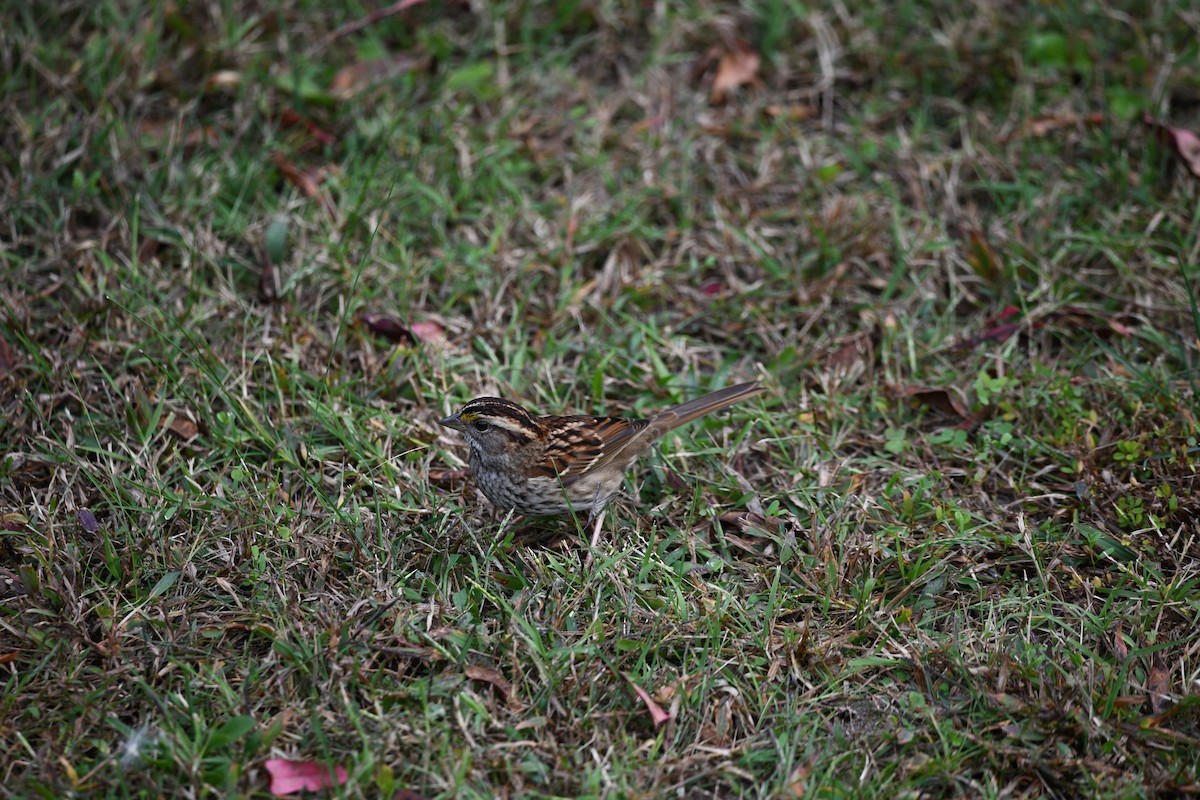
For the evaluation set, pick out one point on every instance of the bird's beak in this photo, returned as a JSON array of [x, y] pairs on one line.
[[452, 421]]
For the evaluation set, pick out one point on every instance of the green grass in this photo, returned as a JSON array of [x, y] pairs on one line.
[[228, 534]]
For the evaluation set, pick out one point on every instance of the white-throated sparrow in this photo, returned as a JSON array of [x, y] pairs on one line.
[[556, 464]]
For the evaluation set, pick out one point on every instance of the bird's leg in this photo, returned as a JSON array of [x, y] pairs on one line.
[[599, 518]]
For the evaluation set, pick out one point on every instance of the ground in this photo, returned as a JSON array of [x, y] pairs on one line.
[[254, 252]]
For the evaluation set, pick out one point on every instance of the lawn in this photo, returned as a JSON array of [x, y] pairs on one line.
[[253, 253]]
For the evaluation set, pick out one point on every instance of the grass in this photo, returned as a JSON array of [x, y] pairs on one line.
[[940, 558]]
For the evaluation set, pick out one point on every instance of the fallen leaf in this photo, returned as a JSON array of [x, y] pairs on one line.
[[675, 482], [6, 658], [1185, 143], [354, 78], [371, 19], [798, 780], [443, 476], [223, 79], [948, 401], [1158, 686], [87, 521], [427, 332], [11, 584], [737, 66], [1077, 317], [478, 672], [657, 715], [983, 258], [1119, 648], [995, 329], [289, 777], [1049, 123], [292, 119], [13, 521], [158, 133], [307, 181], [184, 428], [749, 522], [8, 358], [795, 113], [852, 350], [387, 327]]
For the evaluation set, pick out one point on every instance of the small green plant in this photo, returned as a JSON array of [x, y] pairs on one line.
[[1128, 452], [1130, 512]]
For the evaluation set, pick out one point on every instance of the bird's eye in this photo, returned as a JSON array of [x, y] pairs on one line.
[[482, 426]]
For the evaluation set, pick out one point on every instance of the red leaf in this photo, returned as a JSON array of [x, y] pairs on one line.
[[657, 715], [289, 777], [1185, 143], [387, 327]]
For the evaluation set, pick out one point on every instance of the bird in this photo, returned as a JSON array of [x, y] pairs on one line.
[[551, 465]]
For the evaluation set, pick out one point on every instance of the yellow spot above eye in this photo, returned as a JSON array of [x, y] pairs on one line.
[[469, 416]]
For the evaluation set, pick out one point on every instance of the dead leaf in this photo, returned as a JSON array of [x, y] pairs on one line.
[[371, 19], [1158, 686], [11, 584], [355, 78], [292, 119], [795, 113], [948, 401], [223, 79], [798, 780], [749, 522], [13, 521], [184, 428], [675, 481], [737, 66], [1185, 143], [156, 134], [6, 658], [8, 358], [983, 258], [387, 327], [444, 476], [995, 329], [307, 181], [290, 777], [1049, 123], [852, 350], [87, 521], [478, 672], [1077, 317], [1119, 648], [427, 332], [657, 715]]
